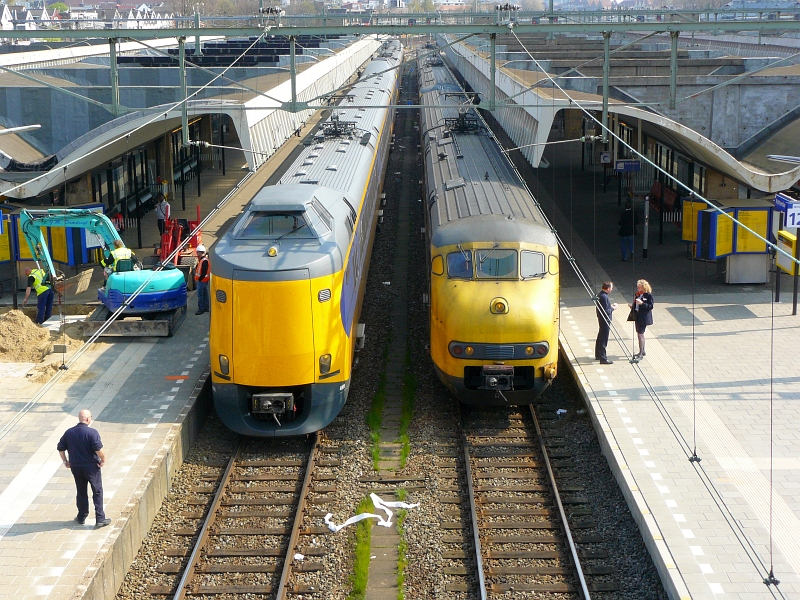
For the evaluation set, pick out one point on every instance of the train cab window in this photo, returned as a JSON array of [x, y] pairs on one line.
[[493, 263], [459, 264], [532, 264], [274, 225], [316, 221]]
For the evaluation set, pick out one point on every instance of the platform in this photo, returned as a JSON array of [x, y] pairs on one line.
[[706, 524], [147, 397]]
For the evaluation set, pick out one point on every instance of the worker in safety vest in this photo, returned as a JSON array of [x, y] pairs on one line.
[[202, 275], [109, 261], [40, 283]]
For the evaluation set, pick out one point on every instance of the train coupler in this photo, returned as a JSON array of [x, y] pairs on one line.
[[497, 377]]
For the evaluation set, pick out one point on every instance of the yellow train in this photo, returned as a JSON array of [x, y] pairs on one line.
[[494, 260], [289, 275]]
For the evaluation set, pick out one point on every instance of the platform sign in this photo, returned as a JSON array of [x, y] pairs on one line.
[[5, 248], [22, 247], [714, 233], [788, 243], [756, 219], [789, 207], [605, 158], [627, 166], [689, 219]]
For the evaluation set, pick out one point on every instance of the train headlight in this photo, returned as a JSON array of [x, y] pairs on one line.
[[325, 364], [529, 350], [499, 306], [469, 350], [224, 365], [541, 349], [458, 350], [273, 251]]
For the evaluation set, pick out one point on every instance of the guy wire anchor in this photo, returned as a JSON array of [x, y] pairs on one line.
[[771, 579], [62, 350]]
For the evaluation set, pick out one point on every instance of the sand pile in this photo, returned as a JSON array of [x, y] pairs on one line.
[[43, 373], [21, 340], [71, 334]]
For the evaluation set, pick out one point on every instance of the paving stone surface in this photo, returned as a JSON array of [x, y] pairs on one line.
[[136, 390], [719, 379]]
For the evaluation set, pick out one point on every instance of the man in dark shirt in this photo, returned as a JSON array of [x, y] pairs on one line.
[[604, 311], [86, 456], [628, 220]]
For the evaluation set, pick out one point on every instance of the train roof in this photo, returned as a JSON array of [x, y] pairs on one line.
[[322, 189], [474, 193], [345, 144]]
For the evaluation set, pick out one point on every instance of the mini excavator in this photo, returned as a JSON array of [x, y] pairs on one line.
[[161, 304]]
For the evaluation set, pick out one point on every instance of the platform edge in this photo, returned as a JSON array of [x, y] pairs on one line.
[[104, 578], [670, 576]]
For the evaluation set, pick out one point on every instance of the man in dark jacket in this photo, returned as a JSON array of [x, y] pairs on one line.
[[604, 311], [85, 459], [628, 221]]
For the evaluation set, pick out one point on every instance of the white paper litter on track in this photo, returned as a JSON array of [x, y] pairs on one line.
[[379, 505]]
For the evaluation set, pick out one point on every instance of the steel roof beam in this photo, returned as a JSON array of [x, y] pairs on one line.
[[397, 30]]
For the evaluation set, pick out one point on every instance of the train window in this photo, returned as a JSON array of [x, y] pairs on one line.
[[437, 265], [273, 225], [316, 222], [496, 264], [323, 213], [532, 264], [459, 264]]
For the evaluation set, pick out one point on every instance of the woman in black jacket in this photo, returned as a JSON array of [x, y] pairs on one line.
[[643, 305]]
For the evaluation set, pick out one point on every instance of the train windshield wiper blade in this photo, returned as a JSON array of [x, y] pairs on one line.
[[488, 254], [293, 230]]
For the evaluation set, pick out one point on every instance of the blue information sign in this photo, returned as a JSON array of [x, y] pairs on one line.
[[627, 165], [1, 223], [789, 207]]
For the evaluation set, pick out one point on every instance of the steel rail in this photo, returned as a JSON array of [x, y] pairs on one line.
[[473, 512], [298, 520], [573, 550], [211, 517]]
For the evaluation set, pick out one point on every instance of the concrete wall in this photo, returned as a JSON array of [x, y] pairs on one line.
[[150, 76], [65, 118], [731, 115]]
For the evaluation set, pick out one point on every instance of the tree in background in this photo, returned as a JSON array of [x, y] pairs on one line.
[[59, 7], [421, 6]]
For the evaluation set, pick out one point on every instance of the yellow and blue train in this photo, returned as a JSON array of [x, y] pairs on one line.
[[494, 261], [289, 275]]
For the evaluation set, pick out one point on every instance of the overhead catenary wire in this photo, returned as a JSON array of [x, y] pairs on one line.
[[6, 429], [161, 112], [611, 133], [708, 482]]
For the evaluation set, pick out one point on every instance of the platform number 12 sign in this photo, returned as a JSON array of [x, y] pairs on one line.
[[793, 215]]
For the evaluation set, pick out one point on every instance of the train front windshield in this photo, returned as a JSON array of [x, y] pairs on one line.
[[495, 263], [273, 225]]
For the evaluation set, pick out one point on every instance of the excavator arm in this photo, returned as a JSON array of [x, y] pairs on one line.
[[32, 221]]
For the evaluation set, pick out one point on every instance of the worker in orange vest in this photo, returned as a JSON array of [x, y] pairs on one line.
[[202, 275]]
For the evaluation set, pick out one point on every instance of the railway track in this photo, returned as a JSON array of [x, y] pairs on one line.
[[248, 533], [520, 524]]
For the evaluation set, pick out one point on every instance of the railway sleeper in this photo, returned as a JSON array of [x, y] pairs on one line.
[[223, 552], [304, 567], [553, 588]]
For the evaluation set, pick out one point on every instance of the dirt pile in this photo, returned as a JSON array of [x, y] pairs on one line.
[[21, 340], [43, 373], [71, 334]]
